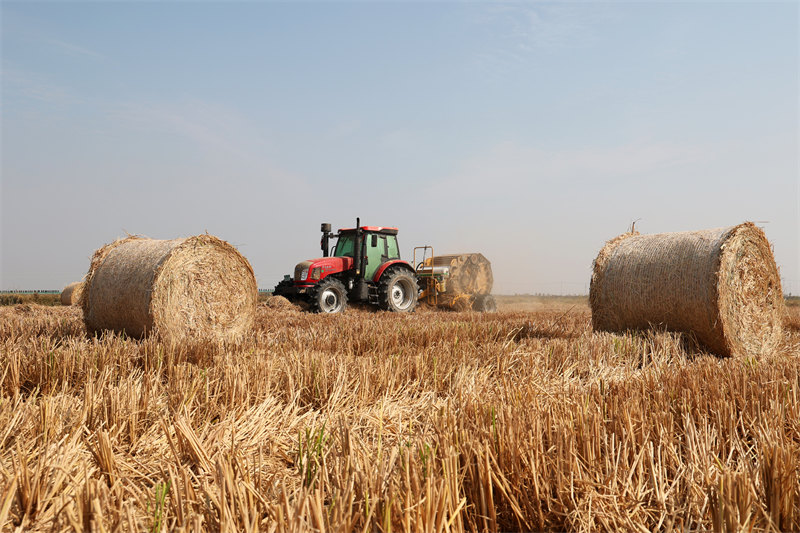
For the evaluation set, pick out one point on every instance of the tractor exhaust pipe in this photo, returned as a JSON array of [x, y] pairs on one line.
[[326, 235], [357, 249], [360, 289]]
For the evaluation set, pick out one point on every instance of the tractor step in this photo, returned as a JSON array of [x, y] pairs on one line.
[[373, 296]]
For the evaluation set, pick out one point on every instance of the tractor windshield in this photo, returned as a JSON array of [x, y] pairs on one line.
[[344, 246]]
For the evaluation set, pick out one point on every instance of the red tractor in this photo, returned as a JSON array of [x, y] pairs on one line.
[[365, 266]]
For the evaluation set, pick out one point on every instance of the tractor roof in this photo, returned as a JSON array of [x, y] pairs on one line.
[[372, 229]]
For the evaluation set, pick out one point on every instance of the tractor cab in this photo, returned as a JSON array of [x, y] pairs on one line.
[[379, 247]]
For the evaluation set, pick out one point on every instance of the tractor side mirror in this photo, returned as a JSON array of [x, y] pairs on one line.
[[374, 241]]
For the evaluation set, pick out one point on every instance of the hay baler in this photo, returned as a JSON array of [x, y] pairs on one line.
[[365, 266], [456, 281]]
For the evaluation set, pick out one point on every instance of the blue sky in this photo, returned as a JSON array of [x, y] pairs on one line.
[[531, 132]]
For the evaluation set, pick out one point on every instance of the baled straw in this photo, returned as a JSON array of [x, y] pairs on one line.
[[194, 288], [468, 273], [720, 285], [71, 294]]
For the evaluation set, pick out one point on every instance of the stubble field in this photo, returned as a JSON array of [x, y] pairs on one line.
[[512, 421]]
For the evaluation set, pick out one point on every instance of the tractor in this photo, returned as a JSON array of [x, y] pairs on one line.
[[365, 266]]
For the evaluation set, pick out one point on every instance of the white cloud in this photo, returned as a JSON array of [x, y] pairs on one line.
[[74, 49], [205, 125], [535, 26], [34, 86], [401, 140], [345, 129], [219, 134], [520, 33], [510, 166]]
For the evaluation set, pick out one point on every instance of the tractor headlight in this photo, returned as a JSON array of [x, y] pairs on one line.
[[316, 272], [304, 274]]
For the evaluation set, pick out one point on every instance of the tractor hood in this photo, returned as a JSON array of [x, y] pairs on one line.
[[314, 270]]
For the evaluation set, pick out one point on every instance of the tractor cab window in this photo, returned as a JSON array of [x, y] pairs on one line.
[[344, 246], [392, 252]]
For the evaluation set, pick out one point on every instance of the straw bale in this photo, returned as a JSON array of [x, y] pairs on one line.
[[279, 303], [720, 285], [194, 288], [468, 273], [71, 294]]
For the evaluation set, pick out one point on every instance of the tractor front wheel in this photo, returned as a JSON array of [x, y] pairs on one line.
[[398, 291], [329, 296], [286, 289]]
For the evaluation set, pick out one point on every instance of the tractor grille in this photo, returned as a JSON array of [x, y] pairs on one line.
[[298, 270]]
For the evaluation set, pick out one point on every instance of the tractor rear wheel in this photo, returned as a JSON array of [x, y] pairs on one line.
[[398, 291], [329, 296], [485, 303]]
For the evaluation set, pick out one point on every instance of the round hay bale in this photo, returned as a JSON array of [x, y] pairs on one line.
[[182, 289], [720, 285], [468, 273], [71, 294]]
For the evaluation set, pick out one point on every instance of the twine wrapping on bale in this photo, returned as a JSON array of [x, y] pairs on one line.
[[720, 285], [198, 288], [71, 294]]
